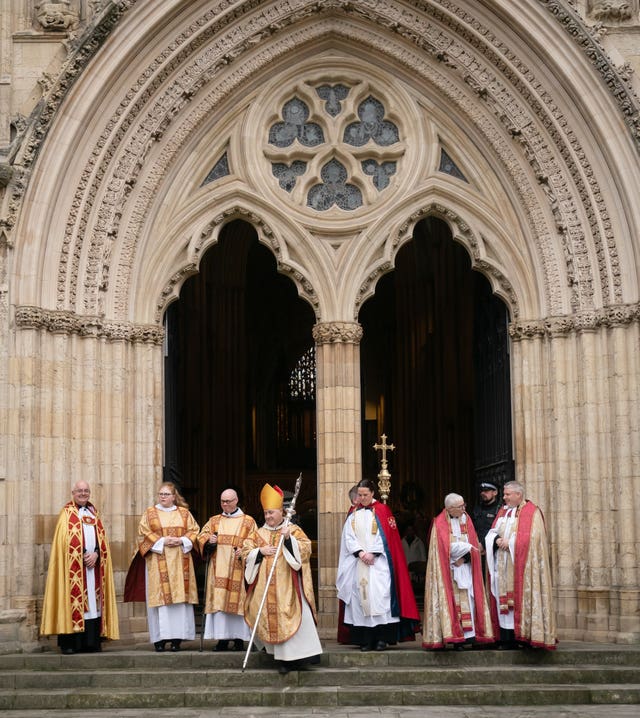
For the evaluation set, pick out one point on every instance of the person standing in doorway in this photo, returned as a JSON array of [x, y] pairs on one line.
[[373, 579], [485, 511]]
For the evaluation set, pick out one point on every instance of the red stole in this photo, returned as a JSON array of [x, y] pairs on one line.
[[398, 562], [443, 534], [524, 513]]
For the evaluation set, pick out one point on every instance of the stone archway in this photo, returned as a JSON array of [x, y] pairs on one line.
[[435, 375], [111, 207], [232, 416]]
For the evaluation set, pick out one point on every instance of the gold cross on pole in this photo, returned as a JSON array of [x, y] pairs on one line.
[[384, 447]]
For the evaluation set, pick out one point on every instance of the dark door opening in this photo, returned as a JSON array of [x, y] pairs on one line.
[[240, 381], [435, 378]]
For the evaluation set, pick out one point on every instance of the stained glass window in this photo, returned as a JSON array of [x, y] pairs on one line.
[[302, 382]]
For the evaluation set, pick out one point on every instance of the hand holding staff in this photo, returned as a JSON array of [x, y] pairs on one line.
[[284, 533]]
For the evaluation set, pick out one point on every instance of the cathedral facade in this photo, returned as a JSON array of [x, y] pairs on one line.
[[135, 133]]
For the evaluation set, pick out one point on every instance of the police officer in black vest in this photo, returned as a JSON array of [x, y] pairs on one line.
[[484, 512]]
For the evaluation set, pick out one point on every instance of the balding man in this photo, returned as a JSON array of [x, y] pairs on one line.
[[220, 542], [521, 599], [79, 598]]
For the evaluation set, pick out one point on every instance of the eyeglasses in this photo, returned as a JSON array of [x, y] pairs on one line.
[[164, 494], [227, 501], [459, 506]]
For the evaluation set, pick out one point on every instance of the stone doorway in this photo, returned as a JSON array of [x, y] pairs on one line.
[[435, 377], [239, 380]]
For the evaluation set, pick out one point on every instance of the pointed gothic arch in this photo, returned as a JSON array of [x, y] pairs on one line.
[[107, 212]]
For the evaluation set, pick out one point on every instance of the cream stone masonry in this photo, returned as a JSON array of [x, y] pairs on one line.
[[339, 441], [119, 109]]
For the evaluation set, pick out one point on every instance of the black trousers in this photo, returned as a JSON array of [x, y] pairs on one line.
[[86, 642]]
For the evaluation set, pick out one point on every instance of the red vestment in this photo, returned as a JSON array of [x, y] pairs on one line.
[[443, 619]]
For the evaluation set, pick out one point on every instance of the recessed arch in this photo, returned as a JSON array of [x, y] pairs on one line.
[[198, 243], [182, 85]]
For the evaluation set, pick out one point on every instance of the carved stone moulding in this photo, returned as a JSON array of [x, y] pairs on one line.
[[464, 235], [65, 322], [337, 333], [208, 236], [607, 317]]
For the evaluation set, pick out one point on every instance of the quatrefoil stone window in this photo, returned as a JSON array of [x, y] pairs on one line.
[[333, 147]]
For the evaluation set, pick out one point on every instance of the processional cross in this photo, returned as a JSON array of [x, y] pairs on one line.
[[384, 477]]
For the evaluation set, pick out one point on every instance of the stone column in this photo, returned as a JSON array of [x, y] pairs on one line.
[[339, 449], [85, 402], [576, 419]]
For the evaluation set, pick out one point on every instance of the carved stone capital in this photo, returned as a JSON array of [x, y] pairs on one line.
[[65, 322], [587, 321], [337, 332]]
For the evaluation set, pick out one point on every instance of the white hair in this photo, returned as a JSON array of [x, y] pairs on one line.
[[451, 499], [515, 486]]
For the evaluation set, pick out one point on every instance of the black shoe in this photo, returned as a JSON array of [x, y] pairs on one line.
[[366, 648], [222, 646], [159, 646], [238, 644], [67, 651], [381, 646], [283, 669], [175, 646]]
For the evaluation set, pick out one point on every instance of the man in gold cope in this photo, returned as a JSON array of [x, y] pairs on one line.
[[287, 623], [220, 543], [79, 598]]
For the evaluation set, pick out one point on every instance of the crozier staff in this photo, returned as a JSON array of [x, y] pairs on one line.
[[286, 626]]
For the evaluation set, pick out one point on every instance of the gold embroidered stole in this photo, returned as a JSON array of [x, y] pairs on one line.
[[76, 577], [460, 595], [505, 571], [179, 531], [228, 572]]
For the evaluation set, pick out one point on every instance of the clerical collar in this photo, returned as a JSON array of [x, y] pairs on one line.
[[273, 528], [166, 508], [233, 513], [367, 508]]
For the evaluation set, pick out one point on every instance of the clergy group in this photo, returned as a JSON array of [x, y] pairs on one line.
[[258, 590]]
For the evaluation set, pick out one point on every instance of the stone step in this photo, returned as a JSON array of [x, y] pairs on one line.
[[288, 693], [120, 678], [146, 658], [321, 676]]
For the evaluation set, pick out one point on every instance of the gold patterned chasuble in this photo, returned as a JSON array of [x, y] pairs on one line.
[[225, 577], [282, 612], [170, 575]]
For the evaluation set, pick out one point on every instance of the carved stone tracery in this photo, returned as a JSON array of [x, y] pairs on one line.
[[407, 25], [208, 236]]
